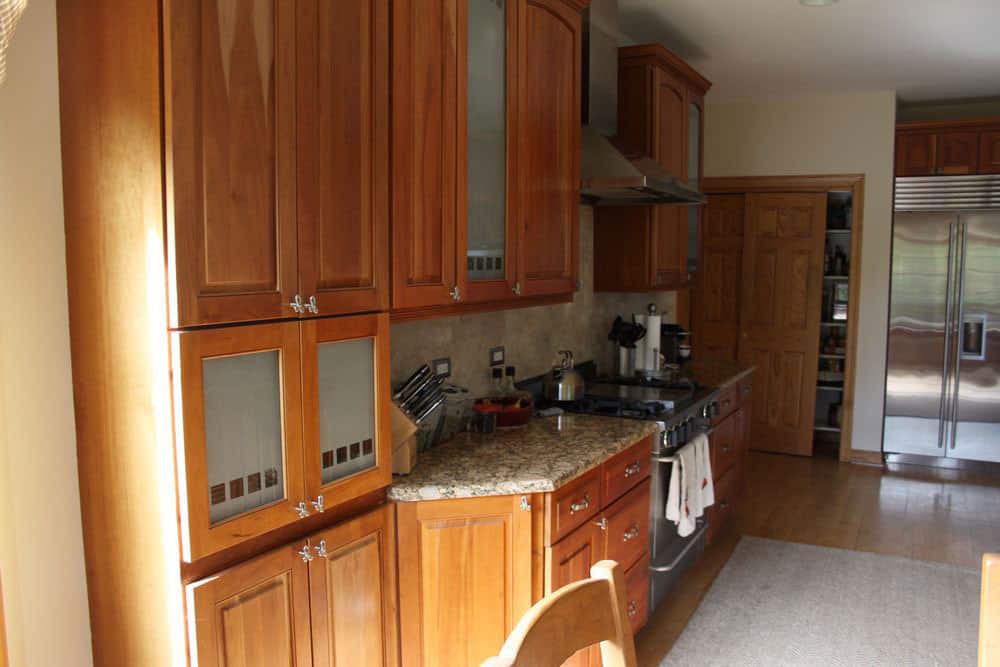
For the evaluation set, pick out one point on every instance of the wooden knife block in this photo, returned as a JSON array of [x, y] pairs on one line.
[[404, 442]]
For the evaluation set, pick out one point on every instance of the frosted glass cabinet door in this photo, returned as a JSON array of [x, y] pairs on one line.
[[345, 380], [489, 47], [238, 392]]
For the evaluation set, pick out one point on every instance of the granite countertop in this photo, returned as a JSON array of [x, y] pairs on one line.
[[541, 456], [717, 373]]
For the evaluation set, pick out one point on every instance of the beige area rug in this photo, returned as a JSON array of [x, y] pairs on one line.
[[782, 603]]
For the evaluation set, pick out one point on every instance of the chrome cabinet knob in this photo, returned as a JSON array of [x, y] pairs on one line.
[[455, 293], [297, 304], [602, 524], [633, 469], [302, 509], [631, 533], [312, 306], [517, 289], [580, 506], [633, 608], [305, 554], [318, 504], [321, 549]]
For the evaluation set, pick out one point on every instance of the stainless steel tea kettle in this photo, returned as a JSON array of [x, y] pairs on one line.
[[563, 382]]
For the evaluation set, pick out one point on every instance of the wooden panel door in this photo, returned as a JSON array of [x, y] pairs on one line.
[[957, 153], [780, 315], [230, 72], [352, 580], [989, 152], [548, 172], [716, 307], [343, 154], [347, 434], [255, 614], [239, 433], [915, 154], [425, 156], [466, 578], [569, 560]]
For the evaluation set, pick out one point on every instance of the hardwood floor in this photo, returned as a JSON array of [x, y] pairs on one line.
[[924, 513]]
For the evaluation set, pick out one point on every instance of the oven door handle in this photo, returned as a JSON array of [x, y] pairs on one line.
[[693, 540]]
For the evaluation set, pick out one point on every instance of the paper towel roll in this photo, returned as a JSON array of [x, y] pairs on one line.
[[651, 343], [640, 347]]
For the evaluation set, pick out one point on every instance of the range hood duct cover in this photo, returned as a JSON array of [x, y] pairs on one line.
[[607, 177]]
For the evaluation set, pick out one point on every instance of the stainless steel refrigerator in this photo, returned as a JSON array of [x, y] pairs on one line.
[[943, 365]]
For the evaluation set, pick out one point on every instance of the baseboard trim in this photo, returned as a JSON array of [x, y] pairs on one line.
[[865, 457]]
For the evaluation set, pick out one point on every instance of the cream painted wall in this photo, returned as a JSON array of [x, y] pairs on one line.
[[41, 542], [826, 134]]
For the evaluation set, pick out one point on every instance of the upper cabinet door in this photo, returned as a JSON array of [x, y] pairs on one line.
[[989, 152], [425, 164], [237, 392], [343, 154], [353, 582], [255, 614], [549, 145], [230, 130], [915, 154], [957, 153], [671, 127], [347, 431], [488, 44]]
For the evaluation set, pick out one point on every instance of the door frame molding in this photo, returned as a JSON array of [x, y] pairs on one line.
[[855, 184]]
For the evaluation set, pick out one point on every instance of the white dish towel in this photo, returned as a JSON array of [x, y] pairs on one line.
[[691, 489]]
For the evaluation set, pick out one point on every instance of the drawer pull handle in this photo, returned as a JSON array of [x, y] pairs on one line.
[[602, 524], [633, 469], [305, 554], [580, 506], [633, 608], [631, 533]]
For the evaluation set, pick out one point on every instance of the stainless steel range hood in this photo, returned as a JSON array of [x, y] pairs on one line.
[[607, 177]]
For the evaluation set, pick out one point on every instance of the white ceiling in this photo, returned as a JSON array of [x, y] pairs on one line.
[[923, 49]]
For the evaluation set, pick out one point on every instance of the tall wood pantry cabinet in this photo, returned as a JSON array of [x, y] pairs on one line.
[[486, 135], [227, 225], [661, 115]]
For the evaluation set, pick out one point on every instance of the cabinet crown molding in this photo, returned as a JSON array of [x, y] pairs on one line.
[[657, 54]]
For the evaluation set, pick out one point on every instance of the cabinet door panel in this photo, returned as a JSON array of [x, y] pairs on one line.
[[570, 560], [549, 146], [425, 165], [467, 579], [915, 154], [669, 246], [230, 132], [353, 591], [237, 392], [255, 614], [346, 430], [671, 126], [989, 152], [957, 153], [343, 155], [716, 306]]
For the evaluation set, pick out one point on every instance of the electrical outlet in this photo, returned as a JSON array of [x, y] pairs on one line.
[[442, 367], [497, 356]]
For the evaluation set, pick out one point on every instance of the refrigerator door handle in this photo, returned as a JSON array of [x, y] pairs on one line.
[[957, 321], [944, 409]]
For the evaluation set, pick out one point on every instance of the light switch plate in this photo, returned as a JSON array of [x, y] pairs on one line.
[[497, 356], [442, 367]]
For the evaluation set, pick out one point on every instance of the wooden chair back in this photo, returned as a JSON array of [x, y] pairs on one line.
[[576, 616], [989, 613]]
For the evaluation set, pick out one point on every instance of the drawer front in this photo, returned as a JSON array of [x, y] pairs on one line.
[[729, 399], [724, 508], [725, 444], [637, 594], [627, 469], [626, 527], [572, 505]]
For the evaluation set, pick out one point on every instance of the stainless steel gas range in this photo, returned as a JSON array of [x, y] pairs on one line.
[[681, 409]]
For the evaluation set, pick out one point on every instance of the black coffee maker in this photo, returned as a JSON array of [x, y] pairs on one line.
[[674, 344]]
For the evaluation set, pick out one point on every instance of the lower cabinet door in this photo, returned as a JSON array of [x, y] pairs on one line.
[[464, 577], [569, 560], [352, 580], [255, 614]]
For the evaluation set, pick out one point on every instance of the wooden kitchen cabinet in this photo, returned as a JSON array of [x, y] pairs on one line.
[[729, 444], [989, 152], [276, 180], [465, 578], [957, 153], [948, 148], [661, 116], [570, 560], [277, 422], [915, 154], [323, 601], [485, 153]]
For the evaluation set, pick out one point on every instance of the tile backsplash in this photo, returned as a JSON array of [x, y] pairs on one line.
[[531, 336]]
